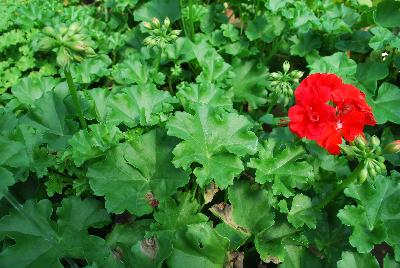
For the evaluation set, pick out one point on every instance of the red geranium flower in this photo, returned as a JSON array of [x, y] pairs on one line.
[[313, 118]]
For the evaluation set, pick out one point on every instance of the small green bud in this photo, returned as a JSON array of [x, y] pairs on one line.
[[156, 22], [371, 171], [147, 25], [63, 30], [63, 57], [296, 74], [375, 142], [286, 66], [167, 22], [74, 28], [363, 175], [176, 32], [392, 148], [46, 43], [275, 75], [360, 142]]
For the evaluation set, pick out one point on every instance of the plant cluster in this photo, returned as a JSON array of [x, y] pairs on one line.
[[189, 133]]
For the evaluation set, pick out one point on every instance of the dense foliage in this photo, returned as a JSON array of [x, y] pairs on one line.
[[156, 133]]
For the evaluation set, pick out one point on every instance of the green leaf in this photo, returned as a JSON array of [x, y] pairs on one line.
[[301, 212], [159, 9], [271, 243], [198, 246], [387, 13], [251, 207], [385, 106], [304, 43], [45, 241], [216, 140], [338, 63], [213, 65], [299, 257], [143, 105], [51, 115], [285, 168], [265, 28], [135, 71], [377, 216], [357, 260], [7, 179], [369, 73], [132, 171], [357, 41], [190, 95], [91, 69], [382, 37], [389, 263], [93, 142], [249, 83], [29, 89]]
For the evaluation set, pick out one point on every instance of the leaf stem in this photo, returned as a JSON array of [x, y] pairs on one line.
[[74, 94], [349, 180]]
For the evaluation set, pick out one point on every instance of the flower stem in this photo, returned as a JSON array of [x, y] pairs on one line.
[[349, 180], [74, 94]]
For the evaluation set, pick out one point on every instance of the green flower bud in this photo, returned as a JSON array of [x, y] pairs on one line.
[[74, 28], [46, 43], [63, 30], [360, 142], [176, 32], [147, 25], [156, 22], [375, 142], [63, 57], [167, 22], [371, 171], [297, 74], [393, 147], [275, 75], [363, 175], [286, 66]]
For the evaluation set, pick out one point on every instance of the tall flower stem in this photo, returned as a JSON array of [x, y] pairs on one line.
[[74, 94], [339, 189]]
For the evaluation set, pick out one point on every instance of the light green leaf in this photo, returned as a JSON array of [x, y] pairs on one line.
[[143, 105], [46, 242], [369, 73], [131, 172], [249, 83], [357, 260], [265, 28], [134, 71], [338, 63], [251, 207], [387, 13], [29, 89], [301, 212], [159, 9], [385, 106], [198, 246], [91, 69], [285, 168], [192, 94], [93, 142], [216, 140]]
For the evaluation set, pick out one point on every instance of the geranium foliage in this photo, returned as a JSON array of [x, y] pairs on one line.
[[191, 133]]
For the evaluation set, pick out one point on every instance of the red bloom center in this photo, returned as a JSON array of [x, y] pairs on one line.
[[313, 116]]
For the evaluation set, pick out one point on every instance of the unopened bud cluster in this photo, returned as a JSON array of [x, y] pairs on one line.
[[282, 84], [160, 34], [369, 154], [69, 42]]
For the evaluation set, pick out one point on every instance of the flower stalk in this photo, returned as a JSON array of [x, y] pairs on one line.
[[74, 94]]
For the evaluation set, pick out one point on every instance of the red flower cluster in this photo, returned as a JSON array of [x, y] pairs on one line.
[[327, 109]]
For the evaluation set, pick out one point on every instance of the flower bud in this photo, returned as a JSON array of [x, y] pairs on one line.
[[286, 66], [275, 75], [375, 141], [363, 175], [167, 22], [74, 28], [176, 32], [371, 171], [147, 25], [63, 30], [360, 142], [63, 57], [156, 22], [46, 43], [49, 31], [393, 147]]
